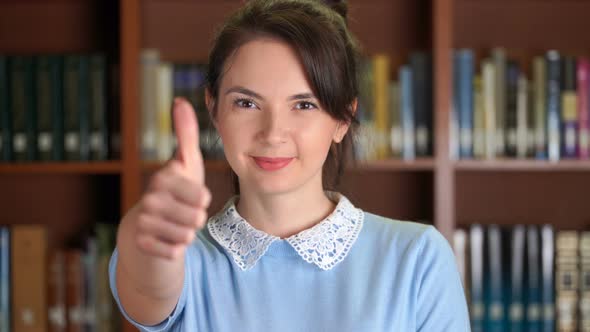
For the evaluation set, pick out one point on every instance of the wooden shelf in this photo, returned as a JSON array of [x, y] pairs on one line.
[[426, 164], [522, 165], [107, 167]]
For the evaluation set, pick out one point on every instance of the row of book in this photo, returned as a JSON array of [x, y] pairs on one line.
[[504, 111], [525, 278], [395, 113], [161, 81], [55, 290], [57, 108]]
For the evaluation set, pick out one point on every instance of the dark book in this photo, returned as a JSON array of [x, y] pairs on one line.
[[421, 66], [5, 112], [23, 108], [50, 108], [98, 109]]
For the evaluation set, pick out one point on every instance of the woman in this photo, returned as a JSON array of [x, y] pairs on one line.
[[285, 253]]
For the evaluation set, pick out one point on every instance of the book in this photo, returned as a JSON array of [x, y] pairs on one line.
[[29, 278]]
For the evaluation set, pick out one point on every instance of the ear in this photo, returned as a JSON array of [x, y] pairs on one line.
[[210, 104], [342, 127]]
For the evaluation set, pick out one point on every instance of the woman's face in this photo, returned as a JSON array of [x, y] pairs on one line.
[[266, 110]]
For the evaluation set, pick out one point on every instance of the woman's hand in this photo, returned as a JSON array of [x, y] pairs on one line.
[[175, 204]]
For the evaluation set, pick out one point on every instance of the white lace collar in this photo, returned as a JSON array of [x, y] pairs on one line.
[[325, 244]]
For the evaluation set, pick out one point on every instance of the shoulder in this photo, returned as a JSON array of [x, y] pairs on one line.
[[408, 237]]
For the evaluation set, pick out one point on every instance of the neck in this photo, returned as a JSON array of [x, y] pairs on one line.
[[285, 214]]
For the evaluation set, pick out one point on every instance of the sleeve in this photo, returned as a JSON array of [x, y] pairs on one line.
[[441, 298], [165, 325]]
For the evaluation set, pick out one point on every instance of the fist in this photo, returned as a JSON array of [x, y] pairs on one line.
[[175, 204]]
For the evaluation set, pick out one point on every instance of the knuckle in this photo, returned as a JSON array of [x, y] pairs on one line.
[[151, 203], [159, 180]]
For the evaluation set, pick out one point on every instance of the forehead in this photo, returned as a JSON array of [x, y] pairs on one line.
[[266, 66]]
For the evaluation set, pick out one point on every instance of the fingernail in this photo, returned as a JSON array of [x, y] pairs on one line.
[[177, 100]]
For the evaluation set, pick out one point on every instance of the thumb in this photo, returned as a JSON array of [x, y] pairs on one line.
[[186, 127]]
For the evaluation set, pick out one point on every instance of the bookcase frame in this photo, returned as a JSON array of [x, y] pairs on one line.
[[440, 190]]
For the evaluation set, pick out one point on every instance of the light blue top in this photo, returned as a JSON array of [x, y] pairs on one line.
[[354, 271]]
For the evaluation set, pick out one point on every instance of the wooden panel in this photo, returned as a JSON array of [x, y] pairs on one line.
[[522, 197], [183, 30], [398, 195], [100, 167], [403, 195], [67, 203], [532, 24], [59, 26]]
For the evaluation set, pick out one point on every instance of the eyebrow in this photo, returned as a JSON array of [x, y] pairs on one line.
[[248, 92]]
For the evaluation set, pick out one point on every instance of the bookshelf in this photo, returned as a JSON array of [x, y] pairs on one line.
[[438, 190]]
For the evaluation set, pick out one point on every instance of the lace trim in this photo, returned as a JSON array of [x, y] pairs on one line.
[[325, 244]]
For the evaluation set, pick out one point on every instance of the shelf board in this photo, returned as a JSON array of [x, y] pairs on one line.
[[210, 165], [522, 165], [426, 164], [102, 167], [422, 164]]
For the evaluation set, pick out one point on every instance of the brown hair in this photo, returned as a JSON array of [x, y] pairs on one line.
[[329, 54]]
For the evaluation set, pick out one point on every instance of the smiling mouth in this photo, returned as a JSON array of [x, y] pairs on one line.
[[271, 164]]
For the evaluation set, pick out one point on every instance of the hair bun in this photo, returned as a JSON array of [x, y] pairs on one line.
[[339, 6]]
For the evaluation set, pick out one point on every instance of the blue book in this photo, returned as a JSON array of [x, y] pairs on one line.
[[516, 311], [547, 269], [553, 104], [5, 293], [407, 106], [533, 284], [476, 256], [465, 107], [495, 305]]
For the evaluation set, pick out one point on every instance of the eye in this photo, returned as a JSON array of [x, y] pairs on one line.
[[244, 103], [306, 106]]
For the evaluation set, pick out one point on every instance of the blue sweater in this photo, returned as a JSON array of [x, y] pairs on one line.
[[397, 276]]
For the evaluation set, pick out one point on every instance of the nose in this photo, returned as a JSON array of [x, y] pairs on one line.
[[273, 129]]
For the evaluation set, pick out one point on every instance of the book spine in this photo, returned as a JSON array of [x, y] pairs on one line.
[[29, 278], [512, 73], [499, 58], [488, 69], [533, 302], [149, 129], [553, 105], [164, 98], [5, 282], [5, 114], [540, 106], [583, 72], [44, 116], [381, 69], [84, 108], [406, 79], [56, 71], [495, 297], [570, 109], [522, 121], [516, 310], [396, 134], [547, 269], [71, 112], [98, 108], [465, 103], [477, 304], [420, 63], [479, 142]]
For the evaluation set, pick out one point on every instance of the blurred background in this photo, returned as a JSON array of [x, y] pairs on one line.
[[474, 118]]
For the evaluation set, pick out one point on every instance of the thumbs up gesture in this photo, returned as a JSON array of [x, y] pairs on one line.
[[175, 204]]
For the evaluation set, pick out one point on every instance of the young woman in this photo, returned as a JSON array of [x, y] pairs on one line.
[[287, 253]]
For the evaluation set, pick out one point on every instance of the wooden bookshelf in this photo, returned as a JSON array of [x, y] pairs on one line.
[[439, 190], [109, 167]]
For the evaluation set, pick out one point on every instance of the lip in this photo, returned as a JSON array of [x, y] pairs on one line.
[[271, 164]]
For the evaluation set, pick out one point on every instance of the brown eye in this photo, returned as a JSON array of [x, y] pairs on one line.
[[244, 103], [305, 105]]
